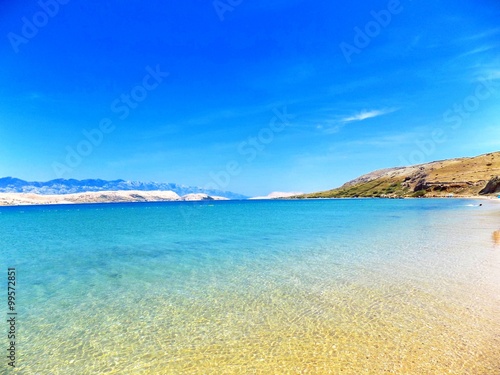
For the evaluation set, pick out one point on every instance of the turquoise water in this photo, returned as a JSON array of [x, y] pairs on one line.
[[244, 287]]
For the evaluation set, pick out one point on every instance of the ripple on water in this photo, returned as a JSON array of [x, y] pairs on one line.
[[408, 299]]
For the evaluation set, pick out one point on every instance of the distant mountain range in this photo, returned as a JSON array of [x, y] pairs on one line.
[[71, 186], [458, 177]]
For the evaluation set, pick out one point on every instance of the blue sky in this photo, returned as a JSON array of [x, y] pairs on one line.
[[260, 96]]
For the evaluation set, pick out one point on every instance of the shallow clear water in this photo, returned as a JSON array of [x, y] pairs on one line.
[[256, 287]]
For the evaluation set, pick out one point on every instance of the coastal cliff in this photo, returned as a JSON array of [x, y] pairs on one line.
[[453, 177]]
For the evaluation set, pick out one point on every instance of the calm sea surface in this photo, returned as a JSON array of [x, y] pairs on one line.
[[256, 287]]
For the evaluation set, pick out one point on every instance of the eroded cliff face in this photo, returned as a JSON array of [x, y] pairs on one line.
[[492, 187]]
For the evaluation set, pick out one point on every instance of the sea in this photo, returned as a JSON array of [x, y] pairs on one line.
[[343, 286]]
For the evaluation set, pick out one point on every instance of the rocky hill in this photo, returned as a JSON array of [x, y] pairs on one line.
[[458, 177]]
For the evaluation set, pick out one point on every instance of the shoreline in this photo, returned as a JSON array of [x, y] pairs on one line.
[[118, 196], [132, 196]]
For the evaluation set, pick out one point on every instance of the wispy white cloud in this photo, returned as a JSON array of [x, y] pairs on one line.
[[481, 49], [482, 34], [459, 41], [333, 124], [367, 114], [492, 74], [333, 129], [482, 71]]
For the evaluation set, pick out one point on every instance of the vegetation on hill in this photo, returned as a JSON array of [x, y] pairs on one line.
[[458, 177]]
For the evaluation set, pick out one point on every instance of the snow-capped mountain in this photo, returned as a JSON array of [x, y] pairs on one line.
[[63, 186]]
